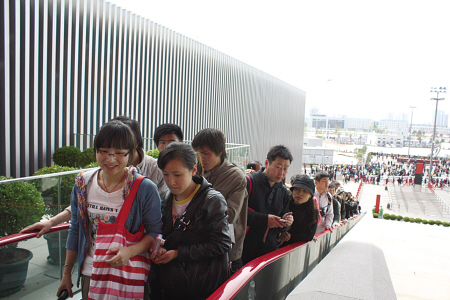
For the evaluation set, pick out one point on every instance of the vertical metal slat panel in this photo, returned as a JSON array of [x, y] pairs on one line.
[[69, 66]]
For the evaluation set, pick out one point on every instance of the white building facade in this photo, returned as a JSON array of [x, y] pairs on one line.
[[397, 127], [358, 123], [382, 140]]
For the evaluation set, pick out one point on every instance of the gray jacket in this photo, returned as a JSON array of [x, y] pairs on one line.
[[230, 181]]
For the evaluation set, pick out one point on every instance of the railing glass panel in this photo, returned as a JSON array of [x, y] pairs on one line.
[[44, 271]]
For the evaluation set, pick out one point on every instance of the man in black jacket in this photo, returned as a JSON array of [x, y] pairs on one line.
[[268, 205]]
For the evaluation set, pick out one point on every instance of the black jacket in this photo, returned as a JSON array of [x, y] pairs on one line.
[[263, 200], [341, 202], [203, 246], [304, 226]]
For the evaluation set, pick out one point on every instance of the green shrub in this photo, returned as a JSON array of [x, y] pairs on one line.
[[446, 224], [399, 218], [21, 204], [91, 165], [393, 217], [418, 220], [431, 222], [412, 220], [67, 156], [86, 157], [49, 186], [153, 153], [375, 215], [438, 222], [406, 219], [386, 216], [424, 222]]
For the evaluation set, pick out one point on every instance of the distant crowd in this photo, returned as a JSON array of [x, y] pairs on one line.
[[384, 168]]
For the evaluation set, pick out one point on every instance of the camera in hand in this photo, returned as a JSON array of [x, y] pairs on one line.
[[322, 211], [64, 294]]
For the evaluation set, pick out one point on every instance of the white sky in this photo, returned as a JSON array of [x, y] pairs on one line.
[[359, 58]]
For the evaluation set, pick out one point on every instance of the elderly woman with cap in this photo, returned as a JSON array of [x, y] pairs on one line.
[[305, 212]]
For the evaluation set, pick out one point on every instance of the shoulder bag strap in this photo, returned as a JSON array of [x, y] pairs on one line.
[[189, 212], [126, 207], [251, 185]]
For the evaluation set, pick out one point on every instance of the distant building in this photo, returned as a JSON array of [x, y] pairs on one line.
[[312, 142], [359, 124], [403, 117], [445, 146], [382, 140], [394, 126], [322, 121], [442, 119], [317, 155], [428, 129], [389, 116]]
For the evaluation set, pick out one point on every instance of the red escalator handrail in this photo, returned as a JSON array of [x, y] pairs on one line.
[[359, 189], [235, 283], [18, 237]]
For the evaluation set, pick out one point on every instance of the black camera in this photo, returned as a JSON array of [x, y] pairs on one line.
[[64, 294], [322, 211]]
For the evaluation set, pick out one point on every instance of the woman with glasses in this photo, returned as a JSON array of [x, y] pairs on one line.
[[145, 165], [98, 196], [194, 261]]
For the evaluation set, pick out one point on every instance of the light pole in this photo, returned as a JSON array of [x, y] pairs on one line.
[[410, 128], [437, 91]]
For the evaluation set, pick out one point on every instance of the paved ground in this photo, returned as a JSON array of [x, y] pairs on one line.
[[416, 254], [418, 202], [366, 275], [42, 277]]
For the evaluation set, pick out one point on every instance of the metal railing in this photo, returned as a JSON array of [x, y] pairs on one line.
[[45, 266], [284, 268], [443, 206], [44, 270], [238, 154], [274, 275], [359, 191], [393, 201]]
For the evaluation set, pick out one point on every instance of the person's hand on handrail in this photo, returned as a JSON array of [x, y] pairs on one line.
[[44, 226]]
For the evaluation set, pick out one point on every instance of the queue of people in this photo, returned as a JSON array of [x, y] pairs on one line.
[[179, 226]]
